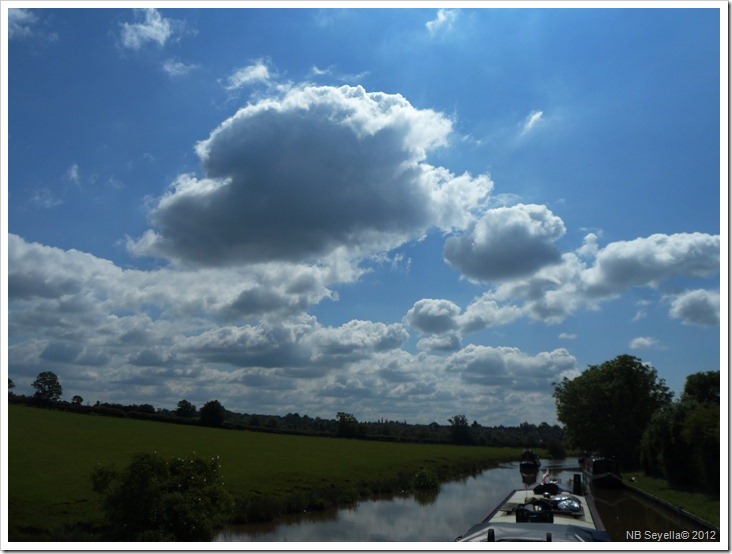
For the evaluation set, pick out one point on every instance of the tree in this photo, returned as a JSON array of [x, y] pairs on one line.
[[459, 430], [48, 388], [212, 414], [77, 400], [682, 440], [158, 499], [702, 387], [11, 386], [608, 407], [185, 409], [347, 425]]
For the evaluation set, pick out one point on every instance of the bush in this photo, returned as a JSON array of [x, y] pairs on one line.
[[556, 449], [425, 479], [155, 499]]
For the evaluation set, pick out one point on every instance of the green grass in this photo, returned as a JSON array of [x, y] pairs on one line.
[[697, 503], [51, 455]]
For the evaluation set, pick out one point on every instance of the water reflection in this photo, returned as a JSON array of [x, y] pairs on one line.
[[457, 506]]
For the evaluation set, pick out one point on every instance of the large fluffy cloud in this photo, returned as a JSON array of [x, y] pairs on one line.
[[510, 367], [649, 260], [582, 280], [507, 242], [124, 335], [314, 171]]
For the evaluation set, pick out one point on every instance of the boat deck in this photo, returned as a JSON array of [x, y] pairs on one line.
[[525, 515], [507, 511]]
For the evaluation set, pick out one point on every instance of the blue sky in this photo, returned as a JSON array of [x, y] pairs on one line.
[[401, 213]]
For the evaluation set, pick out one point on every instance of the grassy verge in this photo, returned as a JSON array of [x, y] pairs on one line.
[[51, 455], [697, 503]]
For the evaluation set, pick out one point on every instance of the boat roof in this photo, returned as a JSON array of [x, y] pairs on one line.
[[512, 522], [534, 532]]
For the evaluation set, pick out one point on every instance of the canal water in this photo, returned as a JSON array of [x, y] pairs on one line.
[[453, 510]]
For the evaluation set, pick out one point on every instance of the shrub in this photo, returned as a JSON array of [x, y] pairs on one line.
[[154, 499], [425, 479]]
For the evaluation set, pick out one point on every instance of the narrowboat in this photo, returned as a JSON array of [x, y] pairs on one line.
[[600, 471]]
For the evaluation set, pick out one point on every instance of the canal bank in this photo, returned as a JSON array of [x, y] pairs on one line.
[[632, 515]]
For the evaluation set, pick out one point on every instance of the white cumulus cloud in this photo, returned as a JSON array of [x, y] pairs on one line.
[[700, 307], [507, 242], [314, 172], [433, 316], [643, 342], [649, 260]]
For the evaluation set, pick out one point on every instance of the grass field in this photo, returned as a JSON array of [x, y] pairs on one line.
[[52, 454]]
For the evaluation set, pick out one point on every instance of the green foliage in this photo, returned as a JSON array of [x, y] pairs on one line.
[[460, 430], [102, 478], [347, 425], [608, 407], [11, 386], [48, 388], [681, 442], [158, 499], [426, 479], [185, 409], [556, 449], [212, 414], [702, 387], [77, 400]]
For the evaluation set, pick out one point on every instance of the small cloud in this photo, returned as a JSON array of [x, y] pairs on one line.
[[567, 336], [315, 70], [330, 71], [640, 314], [152, 27], [698, 307], [72, 174], [255, 73], [21, 22], [115, 183], [643, 342], [43, 198], [531, 121], [443, 22], [175, 68]]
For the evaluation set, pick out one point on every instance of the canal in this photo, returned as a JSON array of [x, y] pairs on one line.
[[454, 509]]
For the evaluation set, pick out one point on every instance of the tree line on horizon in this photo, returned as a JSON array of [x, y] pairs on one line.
[[619, 409], [457, 430]]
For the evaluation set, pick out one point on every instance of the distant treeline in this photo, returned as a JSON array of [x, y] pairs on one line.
[[456, 430]]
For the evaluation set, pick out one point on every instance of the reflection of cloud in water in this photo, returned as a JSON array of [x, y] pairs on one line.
[[458, 506]]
